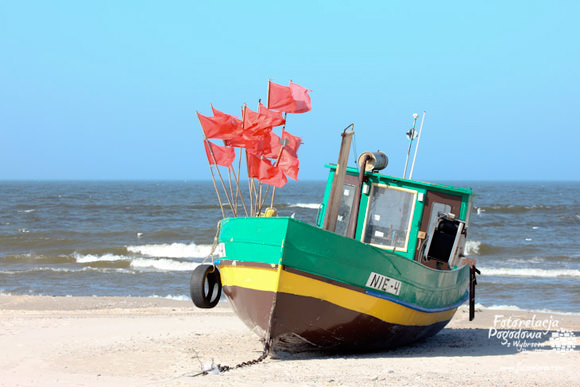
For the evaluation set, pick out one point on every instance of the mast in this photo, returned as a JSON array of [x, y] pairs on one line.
[[338, 181]]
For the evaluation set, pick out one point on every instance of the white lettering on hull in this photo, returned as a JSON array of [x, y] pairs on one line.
[[384, 283]]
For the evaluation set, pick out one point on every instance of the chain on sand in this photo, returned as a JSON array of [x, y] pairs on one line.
[[226, 368]]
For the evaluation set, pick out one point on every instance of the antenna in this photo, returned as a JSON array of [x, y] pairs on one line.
[[411, 135], [417, 147]]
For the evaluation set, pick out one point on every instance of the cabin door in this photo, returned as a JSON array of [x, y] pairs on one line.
[[434, 203]]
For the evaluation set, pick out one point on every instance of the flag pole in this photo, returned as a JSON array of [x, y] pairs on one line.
[[235, 207], [279, 154], [217, 191], [250, 180], [238, 188], [219, 174], [417, 147]]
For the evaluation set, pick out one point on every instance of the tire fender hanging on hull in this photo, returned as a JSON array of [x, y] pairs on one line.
[[205, 286]]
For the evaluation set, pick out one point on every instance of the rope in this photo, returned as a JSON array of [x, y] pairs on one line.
[[215, 243], [355, 154]]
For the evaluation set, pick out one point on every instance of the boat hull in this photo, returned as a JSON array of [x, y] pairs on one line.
[[321, 308]]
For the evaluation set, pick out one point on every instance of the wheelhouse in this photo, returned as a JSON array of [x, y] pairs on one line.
[[420, 221]]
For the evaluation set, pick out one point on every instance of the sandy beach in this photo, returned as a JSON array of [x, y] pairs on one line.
[[149, 341]]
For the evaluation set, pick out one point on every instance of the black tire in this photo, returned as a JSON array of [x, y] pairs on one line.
[[205, 286]]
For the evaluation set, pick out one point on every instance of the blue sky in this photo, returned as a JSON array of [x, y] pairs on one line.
[[109, 89]]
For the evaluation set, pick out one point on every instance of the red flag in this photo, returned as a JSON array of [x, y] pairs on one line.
[[222, 126], [293, 143], [270, 145], [252, 122], [265, 172], [301, 98], [290, 99], [217, 113], [289, 163], [262, 122], [222, 155], [270, 117]]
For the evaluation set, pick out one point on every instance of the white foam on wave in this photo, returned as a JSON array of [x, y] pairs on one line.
[[172, 250], [66, 270], [172, 297], [88, 258], [312, 206], [472, 248], [542, 273], [163, 264]]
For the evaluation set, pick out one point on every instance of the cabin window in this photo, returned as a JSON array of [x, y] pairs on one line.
[[389, 215], [345, 209], [436, 208]]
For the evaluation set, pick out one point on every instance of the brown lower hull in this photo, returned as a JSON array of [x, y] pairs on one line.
[[297, 323]]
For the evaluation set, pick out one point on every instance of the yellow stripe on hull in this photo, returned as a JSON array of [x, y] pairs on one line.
[[276, 280], [257, 278]]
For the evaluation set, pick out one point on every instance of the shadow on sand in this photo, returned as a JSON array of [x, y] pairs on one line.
[[450, 342]]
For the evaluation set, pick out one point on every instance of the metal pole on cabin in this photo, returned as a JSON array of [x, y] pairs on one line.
[[411, 136], [352, 224], [338, 181], [417, 147]]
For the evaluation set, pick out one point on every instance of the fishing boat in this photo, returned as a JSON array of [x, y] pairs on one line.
[[382, 267]]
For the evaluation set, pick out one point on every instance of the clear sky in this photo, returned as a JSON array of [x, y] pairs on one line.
[[109, 89]]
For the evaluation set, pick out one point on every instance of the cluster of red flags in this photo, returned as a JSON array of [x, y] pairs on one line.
[[270, 159]]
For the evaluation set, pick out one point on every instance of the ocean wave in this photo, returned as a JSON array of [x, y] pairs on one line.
[[542, 273], [163, 264], [172, 250], [312, 206], [89, 258], [516, 209], [472, 248], [172, 297], [67, 270]]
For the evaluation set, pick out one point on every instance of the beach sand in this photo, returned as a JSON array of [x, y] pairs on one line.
[[148, 341]]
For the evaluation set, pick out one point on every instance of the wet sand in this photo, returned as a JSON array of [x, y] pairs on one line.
[[148, 341]]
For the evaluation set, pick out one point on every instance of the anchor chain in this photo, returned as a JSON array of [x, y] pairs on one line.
[[226, 368]]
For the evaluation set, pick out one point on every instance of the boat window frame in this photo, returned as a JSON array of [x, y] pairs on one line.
[[415, 193]]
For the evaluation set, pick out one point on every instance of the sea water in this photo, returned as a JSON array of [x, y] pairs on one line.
[[143, 239]]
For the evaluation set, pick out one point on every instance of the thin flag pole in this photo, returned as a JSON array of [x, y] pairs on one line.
[[417, 147], [235, 207], [238, 189], [264, 200], [279, 154], [250, 180], [217, 191], [219, 174]]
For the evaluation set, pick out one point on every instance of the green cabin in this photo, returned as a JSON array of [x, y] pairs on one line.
[[419, 221]]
